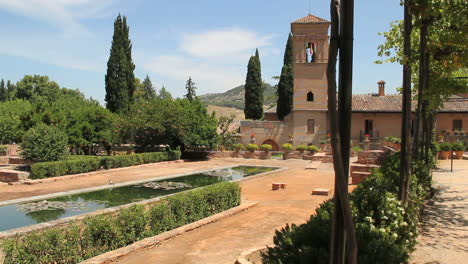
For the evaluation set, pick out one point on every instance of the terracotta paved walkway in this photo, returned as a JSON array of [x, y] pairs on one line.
[[223, 241], [444, 233]]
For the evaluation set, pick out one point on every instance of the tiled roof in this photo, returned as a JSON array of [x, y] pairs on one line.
[[310, 19], [392, 103]]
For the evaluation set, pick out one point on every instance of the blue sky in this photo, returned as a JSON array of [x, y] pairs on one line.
[[209, 40]]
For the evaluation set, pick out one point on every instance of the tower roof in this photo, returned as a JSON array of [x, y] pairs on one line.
[[310, 19]]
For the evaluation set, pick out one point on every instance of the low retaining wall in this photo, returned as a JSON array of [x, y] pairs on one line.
[[371, 157], [240, 154]]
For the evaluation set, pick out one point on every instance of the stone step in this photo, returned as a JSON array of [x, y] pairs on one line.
[[15, 160], [313, 165], [13, 175], [321, 191], [363, 167], [357, 177]]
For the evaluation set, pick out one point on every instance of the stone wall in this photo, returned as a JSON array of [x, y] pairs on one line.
[[371, 157], [240, 154]]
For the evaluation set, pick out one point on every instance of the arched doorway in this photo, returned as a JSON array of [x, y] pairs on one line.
[[273, 144]]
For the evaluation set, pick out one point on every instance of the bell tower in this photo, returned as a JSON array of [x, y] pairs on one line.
[[310, 41]]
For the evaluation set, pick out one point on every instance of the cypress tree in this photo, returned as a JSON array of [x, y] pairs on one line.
[[285, 92], [253, 90], [148, 89], [3, 91], [286, 82], [190, 86], [120, 80]]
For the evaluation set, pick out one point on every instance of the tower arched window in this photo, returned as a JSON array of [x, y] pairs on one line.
[[310, 97], [310, 52]]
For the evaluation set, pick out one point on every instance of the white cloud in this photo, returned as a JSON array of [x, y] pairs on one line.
[[229, 43], [209, 78], [64, 14]]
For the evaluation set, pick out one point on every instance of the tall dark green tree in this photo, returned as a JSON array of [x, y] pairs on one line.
[[286, 82], [148, 89], [120, 79], [3, 91], [190, 87], [11, 90], [253, 90], [285, 91]]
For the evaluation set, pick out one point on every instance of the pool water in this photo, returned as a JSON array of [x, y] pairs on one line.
[[14, 216]]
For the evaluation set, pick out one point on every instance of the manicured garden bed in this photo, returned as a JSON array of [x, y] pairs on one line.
[[82, 164]]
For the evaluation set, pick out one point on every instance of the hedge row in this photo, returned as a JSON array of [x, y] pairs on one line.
[[86, 164], [99, 234], [386, 230]]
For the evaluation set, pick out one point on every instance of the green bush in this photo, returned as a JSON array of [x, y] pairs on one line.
[[238, 146], [445, 146], [386, 230], [301, 147], [252, 147], [435, 146], [287, 147], [313, 148], [266, 147], [356, 149], [3, 149], [44, 143], [102, 233], [393, 139], [82, 164], [458, 146]]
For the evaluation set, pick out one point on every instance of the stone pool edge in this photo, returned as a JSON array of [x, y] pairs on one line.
[[64, 221], [114, 255]]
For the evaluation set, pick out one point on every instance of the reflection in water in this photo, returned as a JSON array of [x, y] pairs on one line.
[[13, 218]]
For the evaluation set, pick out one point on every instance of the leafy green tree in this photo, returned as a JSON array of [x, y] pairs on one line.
[[190, 87], [12, 115], [120, 79], [3, 91], [253, 90], [164, 94], [36, 88], [44, 143], [226, 133], [149, 91], [285, 92], [11, 90]]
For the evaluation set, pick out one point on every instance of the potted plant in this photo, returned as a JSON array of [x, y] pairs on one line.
[[266, 147], [287, 147], [458, 147], [445, 149], [252, 147], [313, 149], [3, 150], [436, 149], [301, 148], [238, 147]]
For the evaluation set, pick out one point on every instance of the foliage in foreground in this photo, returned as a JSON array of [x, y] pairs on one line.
[[92, 163], [99, 234], [385, 229], [44, 143]]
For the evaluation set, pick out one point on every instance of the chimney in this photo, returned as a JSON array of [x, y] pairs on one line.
[[381, 88]]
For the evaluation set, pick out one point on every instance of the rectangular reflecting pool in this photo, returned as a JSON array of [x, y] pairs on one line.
[[24, 214]]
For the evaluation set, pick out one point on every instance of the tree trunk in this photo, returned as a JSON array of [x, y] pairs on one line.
[[342, 222], [405, 158], [422, 86]]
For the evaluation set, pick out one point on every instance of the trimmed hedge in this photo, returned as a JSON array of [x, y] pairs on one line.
[[86, 164], [102, 233]]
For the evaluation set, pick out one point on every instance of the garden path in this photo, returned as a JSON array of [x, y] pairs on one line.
[[443, 236]]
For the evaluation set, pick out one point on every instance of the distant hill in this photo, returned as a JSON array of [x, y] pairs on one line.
[[235, 97]]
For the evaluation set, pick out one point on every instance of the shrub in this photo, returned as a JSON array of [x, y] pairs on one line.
[[356, 149], [435, 146], [44, 143], [238, 146], [266, 147], [393, 139], [445, 146], [301, 147], [102, 233], [458, 146], [313, 148], [252, 147], [3, 150], [287, 147], [82, 164]]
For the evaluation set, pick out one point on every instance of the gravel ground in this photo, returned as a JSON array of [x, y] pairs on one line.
[[443, 236]]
